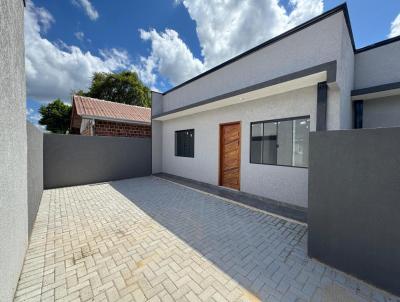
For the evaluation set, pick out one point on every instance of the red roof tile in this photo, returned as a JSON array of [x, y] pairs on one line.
[[90, 107]]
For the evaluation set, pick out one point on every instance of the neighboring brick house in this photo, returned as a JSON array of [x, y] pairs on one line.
[[93, 117]]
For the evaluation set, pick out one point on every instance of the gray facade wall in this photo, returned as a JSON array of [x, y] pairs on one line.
[[354, 203], [345, 80], [285, 184], [13, 154], [157, 103], [76, 160], [325, 41], [156, 146], [377, 66], [382, 112], [35, 172]]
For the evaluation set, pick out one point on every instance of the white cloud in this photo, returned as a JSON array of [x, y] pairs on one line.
[[45, 19], [55, 70], [170, 56], [90, 11], [225, 29], [80, 35], [32, 116], [395, 27]]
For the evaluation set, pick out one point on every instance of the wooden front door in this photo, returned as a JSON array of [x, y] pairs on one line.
[[229, 170]]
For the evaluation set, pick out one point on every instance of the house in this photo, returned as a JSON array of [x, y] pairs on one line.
[[245, 124], [95, 117]]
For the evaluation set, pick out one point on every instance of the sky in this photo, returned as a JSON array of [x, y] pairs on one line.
[[165, 41]]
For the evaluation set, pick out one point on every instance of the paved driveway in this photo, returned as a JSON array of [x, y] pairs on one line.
[[150, 239]]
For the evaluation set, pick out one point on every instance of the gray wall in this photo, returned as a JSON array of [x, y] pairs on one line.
[[156, 103], [75, 160], [377, 66], [285, 184], [345, 81], [13, 156], [325, 41], [156, 146], [354, 203], [35, 172], [382, 112]]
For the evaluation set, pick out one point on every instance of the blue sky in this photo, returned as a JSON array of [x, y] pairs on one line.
[[167, 41]]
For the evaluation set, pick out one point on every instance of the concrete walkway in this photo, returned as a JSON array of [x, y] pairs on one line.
[[147, 239]]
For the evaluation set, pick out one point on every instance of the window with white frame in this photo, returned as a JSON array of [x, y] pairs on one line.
[[280, 142]]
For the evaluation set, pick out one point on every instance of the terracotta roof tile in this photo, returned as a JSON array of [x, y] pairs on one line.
[[91, 107]]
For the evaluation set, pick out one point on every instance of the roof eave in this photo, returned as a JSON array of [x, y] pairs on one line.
[[378, 44], [112, 119], [341, 8]]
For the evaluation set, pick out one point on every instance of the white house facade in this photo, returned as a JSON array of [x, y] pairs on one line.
[[244, 124]]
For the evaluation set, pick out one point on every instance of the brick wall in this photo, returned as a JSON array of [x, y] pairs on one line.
[[106, 128], [86, 132]]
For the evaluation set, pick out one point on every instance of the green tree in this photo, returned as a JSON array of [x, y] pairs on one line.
[[124, 87], [56, 116]]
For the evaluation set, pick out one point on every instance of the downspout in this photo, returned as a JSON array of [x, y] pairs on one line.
[[92, 128]]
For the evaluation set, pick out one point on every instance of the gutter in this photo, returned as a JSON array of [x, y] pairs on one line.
[[110, 119]]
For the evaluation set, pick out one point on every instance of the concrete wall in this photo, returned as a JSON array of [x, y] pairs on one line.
[[345, 80], [35, 172], [156, 146], [354, 203], [285, 184], [156, 103], [383, 112], [13, 154], [75, 160], [377, 66]]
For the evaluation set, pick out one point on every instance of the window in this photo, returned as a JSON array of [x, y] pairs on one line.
[[280, 142], [184, 143]]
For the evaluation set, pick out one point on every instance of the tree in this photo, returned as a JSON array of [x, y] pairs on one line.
[[124, 87], [56, 116]]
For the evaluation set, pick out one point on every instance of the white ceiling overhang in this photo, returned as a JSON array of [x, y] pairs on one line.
[[248, 96], [376, 95]]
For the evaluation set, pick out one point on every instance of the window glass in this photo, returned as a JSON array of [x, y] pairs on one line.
[[285, 143], [256, 143], [301, 129], [269, 153], [282, 142], [184, 143]]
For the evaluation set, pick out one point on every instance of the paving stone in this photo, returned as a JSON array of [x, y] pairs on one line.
[[148, 239]]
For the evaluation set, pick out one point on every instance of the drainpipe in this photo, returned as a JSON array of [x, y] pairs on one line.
[[358, 114], [92, 129], [322, 104]]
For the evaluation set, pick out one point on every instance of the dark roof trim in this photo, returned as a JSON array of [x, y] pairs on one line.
[[329, 67], [374, 89], [378, 44], [341, 8]]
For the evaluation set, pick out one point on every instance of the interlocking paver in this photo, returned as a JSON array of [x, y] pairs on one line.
[[148, 239]]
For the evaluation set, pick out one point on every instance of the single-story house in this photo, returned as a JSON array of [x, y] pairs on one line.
[[245, 124], [93, 117]]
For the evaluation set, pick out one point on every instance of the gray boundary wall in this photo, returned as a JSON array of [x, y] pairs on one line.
[[13, 147], [35, 172], [77, 160], [354, 203]]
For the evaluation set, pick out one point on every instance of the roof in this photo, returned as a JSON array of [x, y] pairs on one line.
[[333, 11], [341, 8], [105, 110]]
